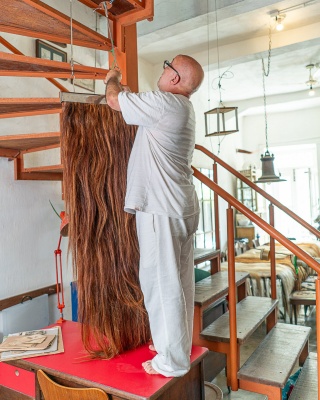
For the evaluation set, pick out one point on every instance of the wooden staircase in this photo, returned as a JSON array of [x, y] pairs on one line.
[[269, 367]]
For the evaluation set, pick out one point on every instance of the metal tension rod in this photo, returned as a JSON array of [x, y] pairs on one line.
[[82, 98]]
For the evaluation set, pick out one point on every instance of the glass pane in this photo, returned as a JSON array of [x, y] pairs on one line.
[[208, 240], [207, 212]]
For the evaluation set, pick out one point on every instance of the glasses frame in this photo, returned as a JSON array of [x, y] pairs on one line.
[[167, 63]]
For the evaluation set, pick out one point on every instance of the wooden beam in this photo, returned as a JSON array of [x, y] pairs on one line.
[[128, 60], [137, 15], [20, 298], [93, 5], [9, 153], [48, 173], [36, 19], [22, 107], [16, 51], [17, 65], [42, 148], [139, 5]]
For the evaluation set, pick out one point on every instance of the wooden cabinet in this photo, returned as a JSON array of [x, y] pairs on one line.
[[247, 196], [245, 193], [15, 380]]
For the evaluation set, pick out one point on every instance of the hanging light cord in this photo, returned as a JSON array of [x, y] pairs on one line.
[[218, 53], [265, 73], [71, 43], [105, 8]]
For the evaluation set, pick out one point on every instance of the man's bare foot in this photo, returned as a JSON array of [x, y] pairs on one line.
[[152, 348], [149, 369]]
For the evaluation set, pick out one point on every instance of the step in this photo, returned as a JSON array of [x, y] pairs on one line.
[[214, 287], [251, 312], [306, 386], [272, 362]]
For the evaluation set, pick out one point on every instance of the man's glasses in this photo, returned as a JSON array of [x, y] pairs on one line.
[[166, 63]]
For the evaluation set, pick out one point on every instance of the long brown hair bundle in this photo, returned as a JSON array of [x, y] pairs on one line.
[[95, 148]]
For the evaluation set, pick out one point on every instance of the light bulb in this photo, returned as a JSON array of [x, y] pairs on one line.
[[279, 21], [279, 26], [311, 91]]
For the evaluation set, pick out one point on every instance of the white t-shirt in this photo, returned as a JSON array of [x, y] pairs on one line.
[[159, 170]]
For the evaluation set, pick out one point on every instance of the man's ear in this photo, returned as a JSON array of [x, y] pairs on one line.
[[175, 80]]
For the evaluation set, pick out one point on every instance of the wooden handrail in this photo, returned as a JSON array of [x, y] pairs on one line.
[[311, 262], [259, 190]]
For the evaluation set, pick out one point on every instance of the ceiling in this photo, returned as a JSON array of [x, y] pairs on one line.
[[234, 35]]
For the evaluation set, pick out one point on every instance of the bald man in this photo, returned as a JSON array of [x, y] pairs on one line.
[[161, 195]]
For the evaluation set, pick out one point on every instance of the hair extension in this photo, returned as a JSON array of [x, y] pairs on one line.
[[95, 148]]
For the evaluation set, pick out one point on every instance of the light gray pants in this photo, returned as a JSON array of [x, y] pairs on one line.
[[167, 282]]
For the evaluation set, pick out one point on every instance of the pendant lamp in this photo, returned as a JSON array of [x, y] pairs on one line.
[[268, 174]]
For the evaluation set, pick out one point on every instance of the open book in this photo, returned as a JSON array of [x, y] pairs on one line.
[[31, 344]]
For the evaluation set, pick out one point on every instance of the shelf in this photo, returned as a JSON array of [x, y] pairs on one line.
[[47, 169], [36, 19], [16, 146], [28, 142], [23, 107]]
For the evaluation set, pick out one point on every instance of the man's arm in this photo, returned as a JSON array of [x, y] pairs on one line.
[[113, 88]]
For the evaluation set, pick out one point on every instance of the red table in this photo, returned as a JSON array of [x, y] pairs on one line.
[[121, 377]]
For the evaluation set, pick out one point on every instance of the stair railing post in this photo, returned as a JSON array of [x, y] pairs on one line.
[[272, 256], [216, 207], [232, 301], [318, 328]]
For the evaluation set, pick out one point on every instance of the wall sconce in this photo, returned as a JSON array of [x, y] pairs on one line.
[[220, 125], [311, 81], [279, 21]]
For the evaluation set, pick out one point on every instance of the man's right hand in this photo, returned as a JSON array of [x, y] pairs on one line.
[[113, 73]]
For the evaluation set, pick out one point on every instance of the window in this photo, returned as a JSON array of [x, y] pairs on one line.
[[205, 235]]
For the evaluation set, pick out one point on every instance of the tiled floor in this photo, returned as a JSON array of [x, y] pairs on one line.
[[250, 346]]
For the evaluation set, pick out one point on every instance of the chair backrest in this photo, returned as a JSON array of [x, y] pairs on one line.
[[54, 391], [256, 243]]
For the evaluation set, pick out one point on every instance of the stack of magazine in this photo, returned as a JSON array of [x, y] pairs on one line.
[[31, 344]]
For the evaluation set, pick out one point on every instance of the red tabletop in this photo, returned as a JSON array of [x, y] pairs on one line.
[[123, 372]]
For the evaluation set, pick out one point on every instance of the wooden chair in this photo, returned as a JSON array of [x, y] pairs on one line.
[[54, 391]]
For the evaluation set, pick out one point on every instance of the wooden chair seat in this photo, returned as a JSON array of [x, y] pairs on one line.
[[304, 298], [53, 391]]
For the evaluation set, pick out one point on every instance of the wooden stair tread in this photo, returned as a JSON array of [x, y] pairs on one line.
[[46, 169], [202, 255], [251, 312], [272, 362], [307, 384], [29, 141], [215, 286]]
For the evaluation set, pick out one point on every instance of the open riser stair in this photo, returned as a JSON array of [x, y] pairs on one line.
[[284, 345]]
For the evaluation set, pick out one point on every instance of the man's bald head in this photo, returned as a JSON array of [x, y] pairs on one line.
[[191, 73], [183, 75]]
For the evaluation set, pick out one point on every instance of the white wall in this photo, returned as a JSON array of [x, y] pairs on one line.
[[301, 124], [29, 229]]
